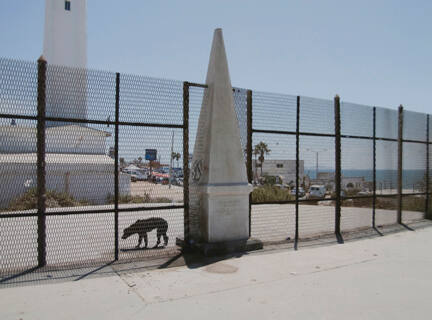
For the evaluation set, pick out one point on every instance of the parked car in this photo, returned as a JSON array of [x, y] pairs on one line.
[[317, 191], [138, 176], [180, 181], [301, 192], [363, 193]]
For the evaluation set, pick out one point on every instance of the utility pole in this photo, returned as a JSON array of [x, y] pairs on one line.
[[316, 159], [171, 159]]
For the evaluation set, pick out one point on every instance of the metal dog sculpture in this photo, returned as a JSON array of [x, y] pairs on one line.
[[143, 226]]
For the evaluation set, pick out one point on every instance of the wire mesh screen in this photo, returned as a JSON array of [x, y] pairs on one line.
[[150, 184], [149, 234], [274, 178], [274, 111], [79, 94], [273, 166], [18, 88], [18, 234], [415, 126], [79, 166], [356, 183], [240, 106], [386, 167], [18, 250], [387, 123], [414, 166], [77, 240], [356, 166], [151, 100], [151, 163], [317, 116], [18, 195], [356, 120], [317, 215]]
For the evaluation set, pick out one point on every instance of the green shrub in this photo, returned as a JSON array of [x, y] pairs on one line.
[[54, 199], [269, 193], [412, 203], [126, 198]]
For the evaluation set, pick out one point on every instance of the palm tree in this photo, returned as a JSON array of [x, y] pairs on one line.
[[176, 156], [261, 149]]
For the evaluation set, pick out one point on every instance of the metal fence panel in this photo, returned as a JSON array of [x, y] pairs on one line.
[[357, 183], [317, 214]]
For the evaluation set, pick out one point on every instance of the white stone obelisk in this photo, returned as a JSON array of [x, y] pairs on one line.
[[218, 181], [65, 44]]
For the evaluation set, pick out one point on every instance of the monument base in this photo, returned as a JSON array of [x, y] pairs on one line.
[[221, 248]]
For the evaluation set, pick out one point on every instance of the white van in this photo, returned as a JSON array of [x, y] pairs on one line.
[[317, 191]]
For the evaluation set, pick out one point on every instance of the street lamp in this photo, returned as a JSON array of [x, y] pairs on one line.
[[316, 151]]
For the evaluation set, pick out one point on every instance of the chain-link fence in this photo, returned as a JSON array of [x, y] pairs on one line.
[[95, 165], [91, 164], [340, 167]]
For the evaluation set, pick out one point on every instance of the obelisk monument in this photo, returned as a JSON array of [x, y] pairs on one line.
[[218, 181]]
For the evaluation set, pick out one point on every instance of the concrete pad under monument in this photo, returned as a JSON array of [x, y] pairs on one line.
[[219, 188]]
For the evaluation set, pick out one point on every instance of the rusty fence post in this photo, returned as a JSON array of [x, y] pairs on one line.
[[116, 169], [186, 162], [338, 171], [296, 237], [428, 211], [41, 170], [249, 152], [374, 170], [400, 164]]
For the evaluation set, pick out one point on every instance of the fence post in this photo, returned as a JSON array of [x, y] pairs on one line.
[[41, 171], [338, 171], [249, 152], [297, 174], [400, 165], [116, 168], [186, 161], [374, 170], [428, 214]]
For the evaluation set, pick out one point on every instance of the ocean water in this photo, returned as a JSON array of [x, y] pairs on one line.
[[389, 177]]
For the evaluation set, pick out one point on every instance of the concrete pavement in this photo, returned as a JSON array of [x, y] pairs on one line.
[[382, 278]]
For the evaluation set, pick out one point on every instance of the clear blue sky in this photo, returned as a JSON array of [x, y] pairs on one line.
[[368, 52]]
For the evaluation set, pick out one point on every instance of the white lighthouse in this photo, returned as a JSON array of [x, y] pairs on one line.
[[65, 44], [65, 37]]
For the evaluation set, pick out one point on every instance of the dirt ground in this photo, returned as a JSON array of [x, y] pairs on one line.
[[141, 188]]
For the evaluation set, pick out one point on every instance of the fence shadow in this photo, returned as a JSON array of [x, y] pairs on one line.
[[49, 275]]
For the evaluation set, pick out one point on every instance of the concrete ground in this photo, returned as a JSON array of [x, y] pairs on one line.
[[382, 278]]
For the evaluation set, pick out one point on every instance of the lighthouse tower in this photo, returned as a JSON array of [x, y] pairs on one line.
[[65, 44], [65, 39]]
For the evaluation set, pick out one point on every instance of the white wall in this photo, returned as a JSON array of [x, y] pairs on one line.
[[67, 139], [288, 171], [83, 181]]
